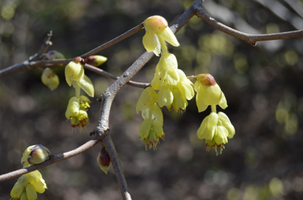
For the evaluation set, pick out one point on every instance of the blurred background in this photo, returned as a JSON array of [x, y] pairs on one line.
[[262, 84]]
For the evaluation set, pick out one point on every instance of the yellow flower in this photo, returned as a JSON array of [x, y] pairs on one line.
[[216, 129], [150, 133], [34, 155], [147, 99], [28, 185], [76, 114], [74, 76], [166, 72], [208, 92], [50, 79], [157, 31]]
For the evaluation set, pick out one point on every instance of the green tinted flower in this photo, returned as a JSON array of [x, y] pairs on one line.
[[216, 129], [50, 79], [76, 114], [208, 92], [150, 133]]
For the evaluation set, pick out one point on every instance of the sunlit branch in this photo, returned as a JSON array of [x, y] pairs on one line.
[[249, 38], [111, 76], [54, 159], [114, 41]]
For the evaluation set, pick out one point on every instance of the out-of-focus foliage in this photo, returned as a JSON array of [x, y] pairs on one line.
[[262, 84]]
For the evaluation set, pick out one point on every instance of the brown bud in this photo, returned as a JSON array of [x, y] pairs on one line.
[[206, 79], [79, 60], [103, 160]]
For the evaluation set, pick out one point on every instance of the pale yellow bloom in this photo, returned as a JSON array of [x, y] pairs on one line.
[[28, 185], [74, 76], [208, 92], [150, 133], [50, 79], [157, 30], [77, 115], [216, 129]]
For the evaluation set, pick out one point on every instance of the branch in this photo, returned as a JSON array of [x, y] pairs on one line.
[[111, 76], [108, 96], [54, 159], [249, 38], [114, 41], [32, 62]]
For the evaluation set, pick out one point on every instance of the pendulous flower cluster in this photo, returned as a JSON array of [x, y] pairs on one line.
[[171, 88], [78, 105], [29, 184]]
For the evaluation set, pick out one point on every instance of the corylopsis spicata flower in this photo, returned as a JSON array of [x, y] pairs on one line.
[[208, 92], [216, 129], [157, 32], [50, 79]]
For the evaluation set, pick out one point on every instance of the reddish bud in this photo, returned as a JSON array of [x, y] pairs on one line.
[[79, 60], [206, 79], [103, 160]]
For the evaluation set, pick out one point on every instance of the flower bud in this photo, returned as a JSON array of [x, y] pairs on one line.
[[53, 54], [96, 60], [103, 160], [50, 79], [155, 24], [39, 154], [74, 71]]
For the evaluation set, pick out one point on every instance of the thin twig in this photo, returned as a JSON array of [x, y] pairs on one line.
[[249, 38], [111, 76], [54, 159], [47, 43], [114, 41]]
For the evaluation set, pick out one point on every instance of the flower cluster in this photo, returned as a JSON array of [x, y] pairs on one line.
[[215, 128], [78, 105], [29, 184], [174, 90], [151, 129], [76, 111]]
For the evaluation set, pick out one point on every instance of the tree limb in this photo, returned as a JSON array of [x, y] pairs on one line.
[[249, 38], [54, 159]]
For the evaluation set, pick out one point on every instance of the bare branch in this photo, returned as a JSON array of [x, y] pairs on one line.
[[114, 41], [54, 159], [249, 38], [111, 76], [47, 43]]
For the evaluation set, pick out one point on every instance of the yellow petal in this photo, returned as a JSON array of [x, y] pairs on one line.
[[87, 86], [31, 192], [151, 43], [169, 37]]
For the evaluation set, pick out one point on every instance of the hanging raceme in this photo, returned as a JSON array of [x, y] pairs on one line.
[[174, 89], [29, 184], [78, 105]]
